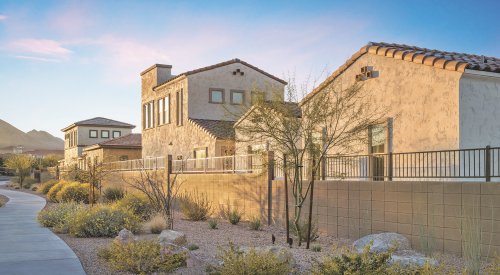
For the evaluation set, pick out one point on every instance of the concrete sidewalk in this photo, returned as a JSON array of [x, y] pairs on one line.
[[28, 248]]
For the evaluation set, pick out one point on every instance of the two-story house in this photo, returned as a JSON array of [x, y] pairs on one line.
[[88, 132], [182, 115]]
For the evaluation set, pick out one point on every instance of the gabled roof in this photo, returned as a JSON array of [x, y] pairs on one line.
[[100, 122], [297, 111], [439, 59], [218, 129], [130, 140], [236, 60]]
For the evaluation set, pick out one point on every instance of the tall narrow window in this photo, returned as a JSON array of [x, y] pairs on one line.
[[179, 108], [160, 111], [163, 110], [167, 109], [144, 116], [378, 139], [151, 115]]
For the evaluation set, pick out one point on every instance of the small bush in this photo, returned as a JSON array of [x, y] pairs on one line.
[[34, 188], [112, 194], [193, 246], [237, 262], [494, 266], [233, 216], [2, 202], [316, 248], [47, 185], [103, 221], [212, 222], [138, 203], [195, 207], [17, 187], [14, 179], [56, 214], [303, 229], [139, 257], [52, 194], [157, 223], [255, 222], [75, 191], [29, 180]]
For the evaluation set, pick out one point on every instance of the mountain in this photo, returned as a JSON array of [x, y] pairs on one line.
[[10, 135]]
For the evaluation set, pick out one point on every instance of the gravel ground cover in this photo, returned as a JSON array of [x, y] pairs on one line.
[[3, 198], [208, 240]]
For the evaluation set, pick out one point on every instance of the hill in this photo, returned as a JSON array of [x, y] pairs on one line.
[[10, 135]]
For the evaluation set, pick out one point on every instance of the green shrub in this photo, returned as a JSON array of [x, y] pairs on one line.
[[29, 180], [494, 267], [316, 248], [52, 194], [112, 194], [212, 222], [47, 185], [14, 179], [193, 246], [104, 221], [76, 191], [139, 257], [56, 214], [233, 216], [17, 187], [255, 222], [2, 202], [34, 188], [138, 203], [195, 207], [156, 223], [253, 262], [303, 229]]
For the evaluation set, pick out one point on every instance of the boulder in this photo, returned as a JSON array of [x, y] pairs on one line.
[[169, 249], [124, 237], [382, 242], [172, 237], [280, 251], [406, 257]]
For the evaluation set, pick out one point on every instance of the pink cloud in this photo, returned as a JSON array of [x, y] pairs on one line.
[[42, 46], [3, 17], [37, 58]]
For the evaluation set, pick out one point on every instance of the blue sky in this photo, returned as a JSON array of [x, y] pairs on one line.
[[65, 61]]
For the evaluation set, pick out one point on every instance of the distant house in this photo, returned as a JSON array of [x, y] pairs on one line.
[[19, 149], [182, 115], [126, 147], [43, 153], [83, 133]]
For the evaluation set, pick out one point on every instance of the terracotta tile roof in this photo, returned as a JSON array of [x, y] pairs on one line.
[[127, 140], [440, 59], [215, 128], [236, 60], [100, 121]]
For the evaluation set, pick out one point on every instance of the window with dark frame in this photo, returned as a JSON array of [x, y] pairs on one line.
[[93, 133], [164, 110], [216, 95], [148, 115], [104, 134], [180, 107], [117, 134], [258, 96], [237, 97]]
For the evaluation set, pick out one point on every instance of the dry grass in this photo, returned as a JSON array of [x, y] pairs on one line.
[[156, 223]]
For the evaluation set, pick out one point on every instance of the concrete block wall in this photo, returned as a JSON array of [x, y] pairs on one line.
[[353, 209]]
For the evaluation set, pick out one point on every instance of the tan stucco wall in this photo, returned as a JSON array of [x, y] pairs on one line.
[[479, 110], [113, 154]]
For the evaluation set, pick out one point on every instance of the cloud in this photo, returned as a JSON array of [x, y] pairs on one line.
[[3, 17], [36, 58], [42, 46]]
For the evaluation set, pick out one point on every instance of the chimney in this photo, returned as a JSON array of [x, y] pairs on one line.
[[155, 75]]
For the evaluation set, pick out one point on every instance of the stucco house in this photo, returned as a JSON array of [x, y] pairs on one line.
[[127, 147], [182, 114], [83, 133], [43, 153], [19, 149]]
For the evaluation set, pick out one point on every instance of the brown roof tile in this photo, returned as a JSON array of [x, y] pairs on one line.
[[440, 59], [236, 60], [215, 128], [127, 140]]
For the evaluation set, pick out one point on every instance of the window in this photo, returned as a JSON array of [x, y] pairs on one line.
[[237, 97], [200, 155], [378, 139], [117, 134], [104, 134], [255, 149], [256, 96], [92, 134], [148, 115], [216, 95], [179, 107], [164, 110], [124, 157]]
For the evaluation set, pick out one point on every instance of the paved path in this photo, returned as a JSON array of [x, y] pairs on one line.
[[26, 247]]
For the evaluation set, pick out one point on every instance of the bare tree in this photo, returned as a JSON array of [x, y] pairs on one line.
[[335, 119]]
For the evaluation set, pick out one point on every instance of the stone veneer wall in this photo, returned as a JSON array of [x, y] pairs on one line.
[[344, 208]]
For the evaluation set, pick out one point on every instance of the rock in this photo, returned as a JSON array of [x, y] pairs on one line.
[[276, 250], [124, 236], [169, 249], [382, 242], [173, 237], [406, 257]]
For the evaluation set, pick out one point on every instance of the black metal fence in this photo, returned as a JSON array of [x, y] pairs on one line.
[[465, 163]]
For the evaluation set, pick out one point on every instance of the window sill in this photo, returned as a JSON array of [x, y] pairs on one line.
[[164, 124], [213, 102]]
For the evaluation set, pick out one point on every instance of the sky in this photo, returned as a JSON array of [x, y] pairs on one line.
[[66, 61]]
